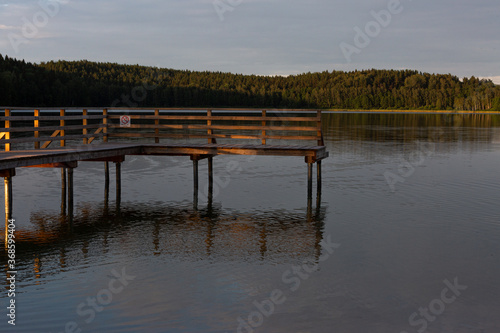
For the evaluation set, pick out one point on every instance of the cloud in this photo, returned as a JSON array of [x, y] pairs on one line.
[[495, 79], [7, 27], [267, 37]]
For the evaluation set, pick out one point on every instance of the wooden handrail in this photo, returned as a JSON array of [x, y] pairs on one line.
[[227, 118], [264, 125]]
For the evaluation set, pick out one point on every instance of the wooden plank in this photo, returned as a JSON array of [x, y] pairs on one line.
[[50, 128], [60, 155], [226, 118], [72, 164], [51, 138], [96, 135], [44, 118], [219, 127], [214, 136], [114, 159]]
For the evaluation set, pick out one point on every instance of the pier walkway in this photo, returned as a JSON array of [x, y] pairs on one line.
[[109, 135]]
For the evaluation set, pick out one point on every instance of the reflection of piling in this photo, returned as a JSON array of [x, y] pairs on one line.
[[8, 174], [8, 198]]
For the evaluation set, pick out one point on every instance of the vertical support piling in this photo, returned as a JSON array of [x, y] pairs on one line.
[[210, 179], [106, 183], [63, 191], [309, 179], [195, 181], [318, 187], [309, 190], [70, 195], [318, 176], [118, 166]]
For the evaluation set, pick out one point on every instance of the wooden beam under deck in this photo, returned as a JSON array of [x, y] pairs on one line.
[[68, 165], [115, 153]]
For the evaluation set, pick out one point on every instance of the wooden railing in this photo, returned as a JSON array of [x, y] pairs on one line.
[[39, 130], [255, 125], [159, 124]]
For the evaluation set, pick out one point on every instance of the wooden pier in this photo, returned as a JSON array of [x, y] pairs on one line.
[[109, 135]]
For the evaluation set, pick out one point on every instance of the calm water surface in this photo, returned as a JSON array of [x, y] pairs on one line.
[[405, 237]]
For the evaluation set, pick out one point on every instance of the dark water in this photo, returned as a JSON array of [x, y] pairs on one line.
[[404, 238]]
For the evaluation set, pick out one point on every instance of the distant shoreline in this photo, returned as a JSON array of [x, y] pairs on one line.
[[412, 111]]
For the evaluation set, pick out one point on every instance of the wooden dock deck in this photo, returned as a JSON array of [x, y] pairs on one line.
[[133, 127]]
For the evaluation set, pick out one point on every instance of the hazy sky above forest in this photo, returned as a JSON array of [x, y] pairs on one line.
[[268, 37]]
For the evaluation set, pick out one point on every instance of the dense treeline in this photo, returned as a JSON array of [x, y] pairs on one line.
[[85, 83]]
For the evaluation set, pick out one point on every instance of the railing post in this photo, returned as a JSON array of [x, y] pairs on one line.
[[210, 131], [105, 123], [62, 123], [36, 123], [70, 193], [264, 123], [84, 123], [7, 127], [320, 131], [157, 124]]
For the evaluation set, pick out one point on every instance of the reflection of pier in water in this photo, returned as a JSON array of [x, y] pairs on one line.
[[178, 231]]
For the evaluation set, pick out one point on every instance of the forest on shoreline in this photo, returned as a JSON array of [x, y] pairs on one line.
[[85, 84]]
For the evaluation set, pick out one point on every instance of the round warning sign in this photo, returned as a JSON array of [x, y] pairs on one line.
[[124, 121]]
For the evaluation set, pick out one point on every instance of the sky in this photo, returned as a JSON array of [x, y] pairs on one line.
[[263, 37]]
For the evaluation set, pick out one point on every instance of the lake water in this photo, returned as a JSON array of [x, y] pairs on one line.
[[405, 237]]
